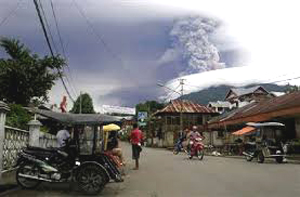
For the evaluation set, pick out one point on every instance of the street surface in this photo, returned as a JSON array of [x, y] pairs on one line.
[[164, 174]]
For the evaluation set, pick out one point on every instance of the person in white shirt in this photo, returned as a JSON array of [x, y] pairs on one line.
[[62, 136]]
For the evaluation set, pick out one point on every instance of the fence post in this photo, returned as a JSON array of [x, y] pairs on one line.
[[34, 132], [3, 110]]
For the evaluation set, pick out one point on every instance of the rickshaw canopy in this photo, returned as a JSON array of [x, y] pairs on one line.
[[244, 131], [76, 119], [111, 127], [265, 124]]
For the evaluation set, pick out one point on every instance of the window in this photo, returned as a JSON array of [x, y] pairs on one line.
[[169, 120], [199, 120], [177, 121], [220, 133]]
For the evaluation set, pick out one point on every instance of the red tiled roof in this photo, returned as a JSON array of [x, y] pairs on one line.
[[288, 104], [187, 107]]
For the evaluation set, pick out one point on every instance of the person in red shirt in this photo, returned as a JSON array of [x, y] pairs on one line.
[[136, 139]]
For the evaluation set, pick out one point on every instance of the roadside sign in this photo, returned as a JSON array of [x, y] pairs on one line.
[[142, 116], [142, 124]]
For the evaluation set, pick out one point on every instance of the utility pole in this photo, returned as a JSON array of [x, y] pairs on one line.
[[181, 104], [80, 102]]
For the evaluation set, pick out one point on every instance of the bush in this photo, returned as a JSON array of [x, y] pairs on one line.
[[18, 117]]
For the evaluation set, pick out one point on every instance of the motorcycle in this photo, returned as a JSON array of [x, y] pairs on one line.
[[196, 148], [56, 165], [178, 147]]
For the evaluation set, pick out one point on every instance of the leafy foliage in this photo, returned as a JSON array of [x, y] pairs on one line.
[[149, 106], [18, 117], [87, 106], [25, 76], [291, 89]]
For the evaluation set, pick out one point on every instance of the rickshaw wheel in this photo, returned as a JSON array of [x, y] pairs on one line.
[[260, 157], [248, 158], [279, 159], [175, 151], [27, 168], [91, 179]]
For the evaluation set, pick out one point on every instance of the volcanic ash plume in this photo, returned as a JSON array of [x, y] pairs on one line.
[[190, 37]]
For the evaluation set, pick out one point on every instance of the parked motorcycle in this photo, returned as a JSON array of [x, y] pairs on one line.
[[196, 148], [38, 165]]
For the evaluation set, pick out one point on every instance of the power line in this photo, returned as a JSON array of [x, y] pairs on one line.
[[49, 45], [99, 37], [171, 94], [283, 80], [72, 85], [12, 12], [47, 26], [58, 31], [266, 82]]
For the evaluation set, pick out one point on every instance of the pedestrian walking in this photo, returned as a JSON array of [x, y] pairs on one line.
[[136, 139]]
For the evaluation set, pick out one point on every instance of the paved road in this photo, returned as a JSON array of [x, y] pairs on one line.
[[163, 174]]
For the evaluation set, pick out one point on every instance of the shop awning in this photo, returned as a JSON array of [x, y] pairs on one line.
[[243, 131]]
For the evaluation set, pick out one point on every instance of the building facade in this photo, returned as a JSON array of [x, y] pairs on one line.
[[167, 120]]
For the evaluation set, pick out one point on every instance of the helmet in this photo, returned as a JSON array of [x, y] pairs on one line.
[[195, 127]]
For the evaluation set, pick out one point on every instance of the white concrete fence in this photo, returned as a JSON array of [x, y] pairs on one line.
[[13, 140]]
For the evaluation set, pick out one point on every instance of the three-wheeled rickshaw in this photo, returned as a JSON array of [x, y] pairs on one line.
[[81, 161], [268, 144]]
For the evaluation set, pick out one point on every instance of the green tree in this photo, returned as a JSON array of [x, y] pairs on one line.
[[149, 106], [25, 76], [86, 105], [293, 88], [18, 117]]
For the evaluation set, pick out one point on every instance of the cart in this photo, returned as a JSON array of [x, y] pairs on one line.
[[268, 145], [82, 161]]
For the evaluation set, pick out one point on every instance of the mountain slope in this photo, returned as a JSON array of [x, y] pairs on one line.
[[219, 93]]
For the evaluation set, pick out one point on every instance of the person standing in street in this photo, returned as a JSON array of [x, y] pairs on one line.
[[136, 139]]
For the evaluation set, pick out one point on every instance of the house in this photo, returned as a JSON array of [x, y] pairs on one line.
[[167, 120], [243, 96], [220, 106], [284, 109]]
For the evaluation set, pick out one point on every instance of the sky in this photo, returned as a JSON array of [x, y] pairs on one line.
[[207, 42]]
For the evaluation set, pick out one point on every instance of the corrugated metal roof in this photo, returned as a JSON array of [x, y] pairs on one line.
[[220, 104], [187, 107], [243, 91], [237, 92], [272, 105]]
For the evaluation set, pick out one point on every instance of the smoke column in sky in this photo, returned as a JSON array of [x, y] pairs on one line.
[[191, 39]]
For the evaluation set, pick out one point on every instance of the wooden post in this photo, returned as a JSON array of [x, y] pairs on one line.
[[3, 111]]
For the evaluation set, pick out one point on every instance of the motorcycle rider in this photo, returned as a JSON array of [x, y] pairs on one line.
[[193, 134]]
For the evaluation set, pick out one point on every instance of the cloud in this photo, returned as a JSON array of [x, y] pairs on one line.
[[236, 76]]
